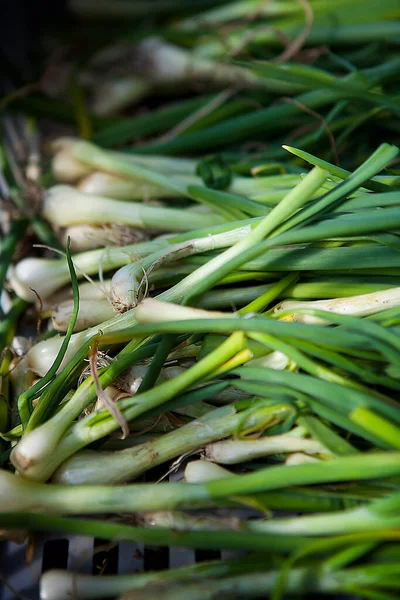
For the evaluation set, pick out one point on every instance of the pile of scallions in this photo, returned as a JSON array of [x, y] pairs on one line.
[[200, 272]]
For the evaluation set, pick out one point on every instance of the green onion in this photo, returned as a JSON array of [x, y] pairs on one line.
[[117, 467], [24, 495]]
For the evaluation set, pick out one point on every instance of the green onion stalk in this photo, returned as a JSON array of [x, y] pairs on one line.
[[311, 580], [115, 531], [67, 169], [300, 458], [360, 306], [231, 452], [222, 577], [155, 63], [267, 190], [380, 514], [89, 237], [57, 584], [88, 290], [111, 95], [90, 314], [237, 9], [164, 63], [65, 206], [99, 183], [297, 499], [203, 471], [117, 467], [126, 282], [20, 494], [352, 25], [232, 11]]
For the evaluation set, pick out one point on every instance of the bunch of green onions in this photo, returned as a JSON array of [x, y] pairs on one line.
[[235, 314]]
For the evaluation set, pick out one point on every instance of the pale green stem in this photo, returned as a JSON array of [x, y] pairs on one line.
[[381, 514], [117, 467], [125, 284], [64, 206]]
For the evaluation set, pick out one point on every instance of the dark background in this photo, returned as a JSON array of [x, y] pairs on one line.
[[22, 23]]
